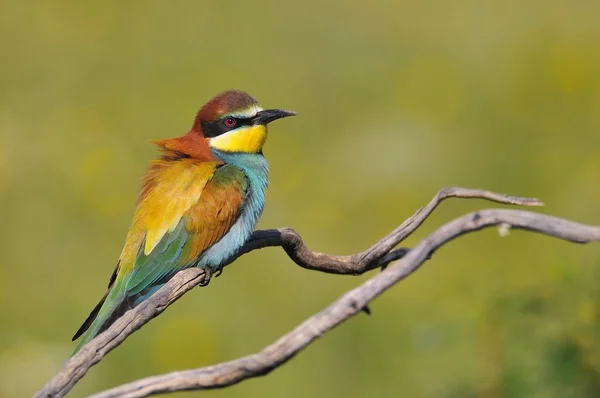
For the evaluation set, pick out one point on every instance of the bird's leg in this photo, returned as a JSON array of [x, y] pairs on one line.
[[219, 271], [208, 273]]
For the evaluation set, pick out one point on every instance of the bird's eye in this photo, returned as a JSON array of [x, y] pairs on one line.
[[230, 122]]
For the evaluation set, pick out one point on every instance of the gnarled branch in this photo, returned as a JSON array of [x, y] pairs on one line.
[[380, 254]]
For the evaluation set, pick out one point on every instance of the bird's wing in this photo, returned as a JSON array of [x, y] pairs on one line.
[[196, 229], [182, 210]]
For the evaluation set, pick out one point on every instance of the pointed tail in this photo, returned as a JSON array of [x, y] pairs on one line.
[[112, 305]]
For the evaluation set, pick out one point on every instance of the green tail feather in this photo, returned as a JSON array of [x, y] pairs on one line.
[[106, 309]]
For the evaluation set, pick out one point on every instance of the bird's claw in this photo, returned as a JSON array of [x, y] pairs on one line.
[[208, 273]]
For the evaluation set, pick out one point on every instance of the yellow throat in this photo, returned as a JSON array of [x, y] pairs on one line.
[[247, 139]]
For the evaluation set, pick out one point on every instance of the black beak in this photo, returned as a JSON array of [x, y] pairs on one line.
[[268, 115]]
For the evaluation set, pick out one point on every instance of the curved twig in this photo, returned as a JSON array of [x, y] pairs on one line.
[[378, 255], [359, 263]]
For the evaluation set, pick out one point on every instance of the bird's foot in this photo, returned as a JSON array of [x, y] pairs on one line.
[[219, 271], [208, 273]]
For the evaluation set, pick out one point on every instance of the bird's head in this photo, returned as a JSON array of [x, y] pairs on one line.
[[231, 122]]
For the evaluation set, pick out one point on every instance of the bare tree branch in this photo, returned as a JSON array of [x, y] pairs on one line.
[[359, 263], [273, 356], [232, 372]]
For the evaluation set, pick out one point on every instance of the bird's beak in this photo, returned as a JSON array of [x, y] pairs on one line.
[[268, 115]]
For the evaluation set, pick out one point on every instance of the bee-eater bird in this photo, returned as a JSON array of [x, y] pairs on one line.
[[197, 207]]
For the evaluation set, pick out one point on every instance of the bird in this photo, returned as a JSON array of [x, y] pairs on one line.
[[198, 205]]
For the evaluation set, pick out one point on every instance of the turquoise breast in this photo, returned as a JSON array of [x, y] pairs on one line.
[[256, 169]]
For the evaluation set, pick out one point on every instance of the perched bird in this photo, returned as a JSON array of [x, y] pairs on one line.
[[198, 205]]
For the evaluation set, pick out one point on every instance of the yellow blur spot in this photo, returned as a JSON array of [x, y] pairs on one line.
[[245, 139], [570, 67], [184, 342]]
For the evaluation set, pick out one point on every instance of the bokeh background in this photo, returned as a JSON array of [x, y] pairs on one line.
[[396, 100]]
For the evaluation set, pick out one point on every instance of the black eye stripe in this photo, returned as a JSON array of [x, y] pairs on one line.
[[212, 129], [241, 121], [218, 127]]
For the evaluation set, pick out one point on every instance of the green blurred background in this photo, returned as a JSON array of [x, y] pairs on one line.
[[396, 100]]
